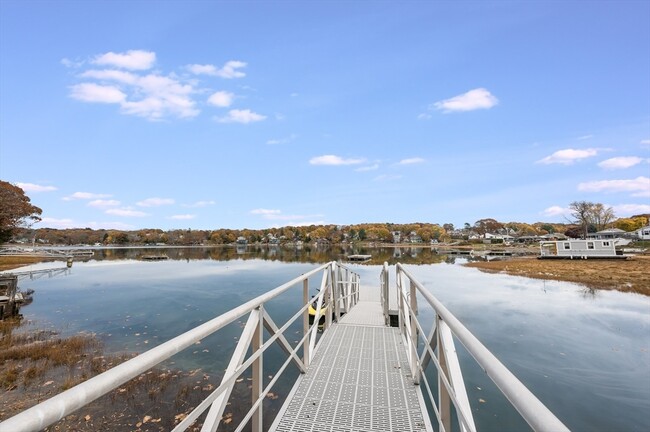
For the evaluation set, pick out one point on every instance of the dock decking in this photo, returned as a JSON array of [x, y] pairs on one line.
[[359, 380]]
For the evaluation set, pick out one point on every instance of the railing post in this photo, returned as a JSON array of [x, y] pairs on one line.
[[385, 293], [400, 302], [414, 334], [258, 375], [305, 322], [444, 401]]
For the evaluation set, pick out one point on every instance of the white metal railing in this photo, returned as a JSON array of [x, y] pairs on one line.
[[438, 347], [339, 292]]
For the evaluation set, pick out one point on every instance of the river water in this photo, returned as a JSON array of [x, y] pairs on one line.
[[585, 354]]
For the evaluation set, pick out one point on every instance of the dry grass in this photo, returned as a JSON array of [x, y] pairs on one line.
[[36, 365], [13, 262], [631, 275]]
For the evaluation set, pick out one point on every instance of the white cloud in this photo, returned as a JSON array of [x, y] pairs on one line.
[[585, 137], [640, 186], [155, 202], [56, 223], [620, 162], [91, 92], [133, 59], [282, 140], [645, 142], [424, 116], [100, 203], [411, 161], [126, 212], [229, 70], [265, 212], [556, 211], [183, 217], [387, 177], [85, 196], [368, 168], [199, 204], [474, 99], [221, 99], [334, 160], [624, 210], [241, 116], [111, 75], [568, 156], [31, 187], [276, 215]]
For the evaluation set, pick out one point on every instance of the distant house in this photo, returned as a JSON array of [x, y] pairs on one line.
[[397, 236], [576, 249], [610, 233], [241, 240], [643, 233]]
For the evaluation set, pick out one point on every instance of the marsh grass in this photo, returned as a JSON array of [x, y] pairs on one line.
[[36, 365]]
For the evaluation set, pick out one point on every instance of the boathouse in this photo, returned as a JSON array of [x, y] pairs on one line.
[[578, 249]]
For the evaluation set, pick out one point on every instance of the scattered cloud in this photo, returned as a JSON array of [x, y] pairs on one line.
[[276, 215], [411, 161], [222, 99], [155, 202], [620, 162], [387, 177], [334, 160], [183, 217], [285, 140], [368, 168], [556, 211], [241, 116], [265, 212], [585, 137], [85, 196], [474, 99], [200, 204], [126, 212], [132, 59], [31, 187], [639, 187], [100, 203], [623, 210], [645, 142], [125, 79], [424, 116], [228, 71], [56, 223], [90, 92], [568, 156]]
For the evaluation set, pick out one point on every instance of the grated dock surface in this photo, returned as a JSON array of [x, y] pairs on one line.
[[359, 381]]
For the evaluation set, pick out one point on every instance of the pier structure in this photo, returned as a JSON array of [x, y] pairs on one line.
[[357, 371]]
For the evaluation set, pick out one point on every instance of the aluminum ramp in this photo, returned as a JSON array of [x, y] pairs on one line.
[[359, 380]]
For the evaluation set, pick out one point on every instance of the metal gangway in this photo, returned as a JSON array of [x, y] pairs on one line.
[[357, 372]]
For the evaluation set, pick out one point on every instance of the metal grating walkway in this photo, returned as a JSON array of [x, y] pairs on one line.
[[359, 381]]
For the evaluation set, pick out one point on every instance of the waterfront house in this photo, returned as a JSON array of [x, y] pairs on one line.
[[577, 249], [643, 233]]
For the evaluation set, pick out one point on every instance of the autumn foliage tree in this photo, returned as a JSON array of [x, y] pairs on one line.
[[16, 210]]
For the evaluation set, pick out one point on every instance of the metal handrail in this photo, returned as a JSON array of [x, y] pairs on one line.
[[52, 410], [533, 411]]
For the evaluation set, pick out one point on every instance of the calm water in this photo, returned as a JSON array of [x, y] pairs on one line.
[[584, 354]]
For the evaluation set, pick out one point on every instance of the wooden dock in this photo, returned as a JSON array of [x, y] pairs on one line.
[[359, 380]]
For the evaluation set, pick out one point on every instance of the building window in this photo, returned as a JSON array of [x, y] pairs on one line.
[[606, 244], [590, 245], [567, 246]]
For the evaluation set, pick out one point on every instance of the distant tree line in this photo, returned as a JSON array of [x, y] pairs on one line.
[[17, 212]]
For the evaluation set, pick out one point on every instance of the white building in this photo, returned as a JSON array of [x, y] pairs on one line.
[[578, 249], [643, 233]]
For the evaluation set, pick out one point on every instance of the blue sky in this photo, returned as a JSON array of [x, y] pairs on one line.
[[210, 115]]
